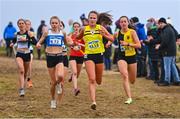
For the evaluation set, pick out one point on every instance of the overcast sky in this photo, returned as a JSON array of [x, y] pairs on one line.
[[35, 10]]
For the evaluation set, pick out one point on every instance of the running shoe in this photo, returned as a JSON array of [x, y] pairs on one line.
[[21, 92], [76, 92], [93, 106], [53, 104], [128, 101]]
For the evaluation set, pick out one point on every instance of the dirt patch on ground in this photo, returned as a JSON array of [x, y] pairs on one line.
[[149, 99]]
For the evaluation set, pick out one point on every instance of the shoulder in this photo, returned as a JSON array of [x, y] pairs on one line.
[[132, 31], [63, 32]]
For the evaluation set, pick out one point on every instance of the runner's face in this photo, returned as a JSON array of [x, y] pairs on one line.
[[76, 27], [61, 26], [21, 25], [28, 25], [92, 19], [54, 24], [124, 22]]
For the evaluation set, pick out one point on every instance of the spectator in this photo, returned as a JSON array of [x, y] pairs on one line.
[[142, 52], [39, 34], [9, 34], [168, 50]]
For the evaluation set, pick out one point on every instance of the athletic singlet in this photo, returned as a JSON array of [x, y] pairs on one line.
[[79, 52], [20, 43], [55, 39], [93, 40], [127, 37]]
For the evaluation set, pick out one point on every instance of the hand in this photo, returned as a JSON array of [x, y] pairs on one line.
[[150, 38], [123, 43], [31, 34], [107, 45], [157, 46], [38, 45], [11, 45]]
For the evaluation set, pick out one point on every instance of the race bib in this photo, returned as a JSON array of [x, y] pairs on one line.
[[94, 44], [21, 38], [55, 41]]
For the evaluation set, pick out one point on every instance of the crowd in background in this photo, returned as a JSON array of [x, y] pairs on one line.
[[155, 62]]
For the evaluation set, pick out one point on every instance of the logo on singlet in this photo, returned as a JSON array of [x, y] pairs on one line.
[[92, 32], [21, 37]]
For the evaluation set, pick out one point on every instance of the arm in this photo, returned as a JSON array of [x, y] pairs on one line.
[[32, 38], [14, 40], [38, 45], [136, 43], [106, 34], [67, 40]]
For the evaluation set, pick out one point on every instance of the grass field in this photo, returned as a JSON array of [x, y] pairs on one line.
[[149, 99]]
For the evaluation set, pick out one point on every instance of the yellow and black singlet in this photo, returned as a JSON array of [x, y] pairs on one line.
[[93, 40], [127, 37]]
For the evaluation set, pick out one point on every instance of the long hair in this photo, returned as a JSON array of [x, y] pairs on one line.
[[105, 18]]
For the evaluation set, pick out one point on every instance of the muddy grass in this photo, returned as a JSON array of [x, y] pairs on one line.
[[149, 99]]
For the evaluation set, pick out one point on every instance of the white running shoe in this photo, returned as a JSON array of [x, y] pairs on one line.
[[21, 92], [53, 104], [59, 88], [128, 101]]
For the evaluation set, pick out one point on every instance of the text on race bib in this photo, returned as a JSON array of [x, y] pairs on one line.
[[94, 44]]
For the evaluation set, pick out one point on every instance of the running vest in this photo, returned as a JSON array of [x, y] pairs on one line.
[[79, 52], [127, 37], [93, 40], [20, 43], [55, 39]]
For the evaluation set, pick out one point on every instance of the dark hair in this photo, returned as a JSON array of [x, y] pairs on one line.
[[105, 18], [135, 19], [130, 25], [21, 20], [76, 23], [124, 17], [42, 22], [62, 24], [82, 17], [162, 20], [94, 13]]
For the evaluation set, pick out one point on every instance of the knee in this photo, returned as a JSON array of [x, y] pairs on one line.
[[75, 74], [60, 77], [124, 76], [21, 71], [98, 81], [53, 83], [92, 81], [132, 81]]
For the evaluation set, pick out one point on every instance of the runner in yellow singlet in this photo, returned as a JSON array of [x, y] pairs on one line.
[[94, 48], [128, 41]]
